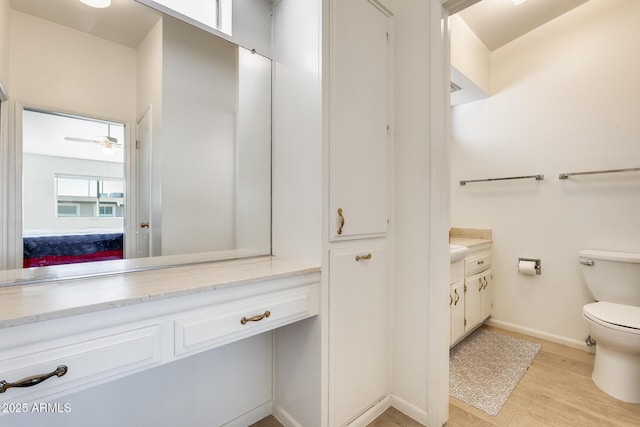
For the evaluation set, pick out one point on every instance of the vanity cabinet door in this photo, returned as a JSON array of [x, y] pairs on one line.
[[487, 294], [359, 120], [473, 301], [457, 311], [358, 342]]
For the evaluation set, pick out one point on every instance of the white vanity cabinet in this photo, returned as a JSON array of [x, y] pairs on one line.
[[358, 330], [477, 290], [115, 326], [359, 127]]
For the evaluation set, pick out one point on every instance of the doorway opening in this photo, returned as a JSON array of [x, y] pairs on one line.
[[73, 189]]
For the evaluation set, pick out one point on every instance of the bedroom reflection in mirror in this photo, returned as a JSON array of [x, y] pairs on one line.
[[73, 189]]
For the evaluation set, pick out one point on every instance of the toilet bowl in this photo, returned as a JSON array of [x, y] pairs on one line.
[[613, 279], [616, 330]]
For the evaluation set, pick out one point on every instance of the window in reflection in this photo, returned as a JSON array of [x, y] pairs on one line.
[[73, 189], [212, 13]]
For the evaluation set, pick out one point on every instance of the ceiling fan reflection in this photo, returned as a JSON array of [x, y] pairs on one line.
[[109, 143]]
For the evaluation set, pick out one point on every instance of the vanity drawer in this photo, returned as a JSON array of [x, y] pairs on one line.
[[476, 263], [89, 362], [241, 319]]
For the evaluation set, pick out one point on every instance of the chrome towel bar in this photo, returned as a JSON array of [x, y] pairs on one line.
[[567, 175], [539, 177]]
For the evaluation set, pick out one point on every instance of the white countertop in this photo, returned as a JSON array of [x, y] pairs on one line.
[[30, 303], [469, 242]]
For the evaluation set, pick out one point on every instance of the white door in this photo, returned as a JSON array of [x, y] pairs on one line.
[[357, 329], [359, 96], [143, 193]]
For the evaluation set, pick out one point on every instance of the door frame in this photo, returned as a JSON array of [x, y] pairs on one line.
[[12, 175], [440, 208]]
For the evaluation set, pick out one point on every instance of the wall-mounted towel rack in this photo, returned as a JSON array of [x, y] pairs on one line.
[[567, 175], [539, 177]]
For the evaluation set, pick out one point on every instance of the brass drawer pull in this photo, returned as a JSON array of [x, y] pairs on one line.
[[34, 380], [341, 221], [257, 318], [367, 256]]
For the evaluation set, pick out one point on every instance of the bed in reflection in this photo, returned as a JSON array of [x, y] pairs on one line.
[[43, 248]]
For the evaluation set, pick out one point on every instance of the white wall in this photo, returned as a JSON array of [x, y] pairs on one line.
[[62, 67], [149, 96], [40, 202], [565, 100], [5, 20], [470, 63], [251, 26], [468, 55], [253, 153], [298, 198], [199, 75]]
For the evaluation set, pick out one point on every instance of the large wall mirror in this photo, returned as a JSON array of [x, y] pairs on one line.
[[137, 136]]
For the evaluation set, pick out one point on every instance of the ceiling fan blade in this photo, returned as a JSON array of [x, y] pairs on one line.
[[72, 139]]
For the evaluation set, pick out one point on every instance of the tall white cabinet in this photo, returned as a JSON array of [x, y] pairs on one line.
[[359, 119], [359, 181]]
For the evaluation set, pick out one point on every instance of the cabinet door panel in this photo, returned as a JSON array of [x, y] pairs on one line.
[[359, 97], [357, 328], [473, 301], [457, 311], [487, 294]]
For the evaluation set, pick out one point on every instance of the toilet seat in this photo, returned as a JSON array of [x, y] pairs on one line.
[[616, 316]]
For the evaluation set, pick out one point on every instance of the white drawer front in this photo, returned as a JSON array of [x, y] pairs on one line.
[[89, 362], [212, 328], [476, 264]]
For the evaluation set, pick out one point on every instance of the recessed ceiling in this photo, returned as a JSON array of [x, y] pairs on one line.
[[125, 22], [498, 22]]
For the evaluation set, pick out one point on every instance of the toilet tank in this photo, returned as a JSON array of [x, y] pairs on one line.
[[612, 276]]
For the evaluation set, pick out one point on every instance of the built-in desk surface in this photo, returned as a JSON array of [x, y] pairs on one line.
[[29, 303]]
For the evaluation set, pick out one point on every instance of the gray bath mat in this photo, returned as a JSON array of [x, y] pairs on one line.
[[486, 367]]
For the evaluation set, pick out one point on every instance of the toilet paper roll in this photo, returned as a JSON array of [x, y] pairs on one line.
[[527, 268]]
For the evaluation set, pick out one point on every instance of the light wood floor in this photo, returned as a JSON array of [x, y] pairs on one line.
[[556, 391]]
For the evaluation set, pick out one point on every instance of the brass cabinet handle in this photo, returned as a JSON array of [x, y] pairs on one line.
[[341, 221], [455, 291], [450, 299], [257, 318], [480, 262], [481, 284], [144, 225], [486, 283], [367, 256], [31, 381]]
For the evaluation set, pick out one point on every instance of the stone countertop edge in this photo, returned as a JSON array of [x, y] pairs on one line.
[[23, 304]]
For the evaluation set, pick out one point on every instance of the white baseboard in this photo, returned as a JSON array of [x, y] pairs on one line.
[[409, 409], [542, 335], [372, 413], [251, 417], [284, 417]]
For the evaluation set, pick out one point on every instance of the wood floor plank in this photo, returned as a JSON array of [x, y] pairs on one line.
[[556, 391]]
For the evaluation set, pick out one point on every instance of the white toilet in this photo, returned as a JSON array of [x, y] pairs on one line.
[[614, 320]]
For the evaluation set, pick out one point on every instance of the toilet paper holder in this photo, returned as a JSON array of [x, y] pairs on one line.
[[538, 265]]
